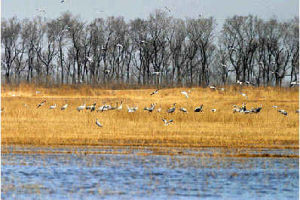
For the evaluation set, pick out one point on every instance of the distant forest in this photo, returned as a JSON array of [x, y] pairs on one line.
[[158, 51]]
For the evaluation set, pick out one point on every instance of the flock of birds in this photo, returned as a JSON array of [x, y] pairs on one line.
[[107, 107]]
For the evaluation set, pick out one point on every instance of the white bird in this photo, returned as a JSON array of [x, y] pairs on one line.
[[64, 107], [274, 106], [151, 108], [131, 110], [167, 122], [244, 95], [159, 109], [119, 45], [292, 84], [98, 123], [213, 110], [283, 112], [156, 73], [183, 110], [155, 92], [82, 107], [121, 106], [239, 82], [90, 59], [53, 106], [212, 87], [185, 94], [222, 89]]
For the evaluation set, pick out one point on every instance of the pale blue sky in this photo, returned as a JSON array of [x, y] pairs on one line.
[[87, 9]]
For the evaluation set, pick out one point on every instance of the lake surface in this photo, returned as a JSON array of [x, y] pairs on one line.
[[133, 176]]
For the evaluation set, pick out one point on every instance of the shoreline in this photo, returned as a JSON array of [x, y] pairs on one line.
[[153, 151]]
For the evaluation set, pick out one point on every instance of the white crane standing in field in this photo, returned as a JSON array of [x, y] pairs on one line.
[[120, 106], [82, 107], [98, 123], [53, 106], [64, 107], [131, 110]]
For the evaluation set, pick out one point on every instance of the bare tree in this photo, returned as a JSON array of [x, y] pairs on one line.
[[10, 30]]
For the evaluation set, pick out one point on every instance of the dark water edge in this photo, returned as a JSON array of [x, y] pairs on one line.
[[133, 176]]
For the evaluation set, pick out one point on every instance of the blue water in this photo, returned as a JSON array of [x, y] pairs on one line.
[[109, 176]]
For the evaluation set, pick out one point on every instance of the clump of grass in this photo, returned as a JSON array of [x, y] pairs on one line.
[[27, 125]]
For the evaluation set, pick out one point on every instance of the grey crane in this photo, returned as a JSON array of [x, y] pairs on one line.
[[151, 108], [256, 110], [171, 110], [199, 109], [41, 104], [91, 106]]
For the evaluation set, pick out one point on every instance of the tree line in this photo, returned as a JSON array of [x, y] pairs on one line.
[[160, 50]]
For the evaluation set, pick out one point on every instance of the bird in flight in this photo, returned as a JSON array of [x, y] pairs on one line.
[[64, 107], [98, 123], [155, 92], [167, 122], [185, 94], [41, 104]]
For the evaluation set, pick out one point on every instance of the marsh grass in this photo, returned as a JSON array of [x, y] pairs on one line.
[[27, 125]]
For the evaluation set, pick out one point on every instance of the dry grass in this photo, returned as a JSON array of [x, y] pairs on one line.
[[44, 127]]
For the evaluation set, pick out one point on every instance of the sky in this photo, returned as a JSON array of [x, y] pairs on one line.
[[130, 9]]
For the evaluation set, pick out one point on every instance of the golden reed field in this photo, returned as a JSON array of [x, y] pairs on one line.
[[23, 124]]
